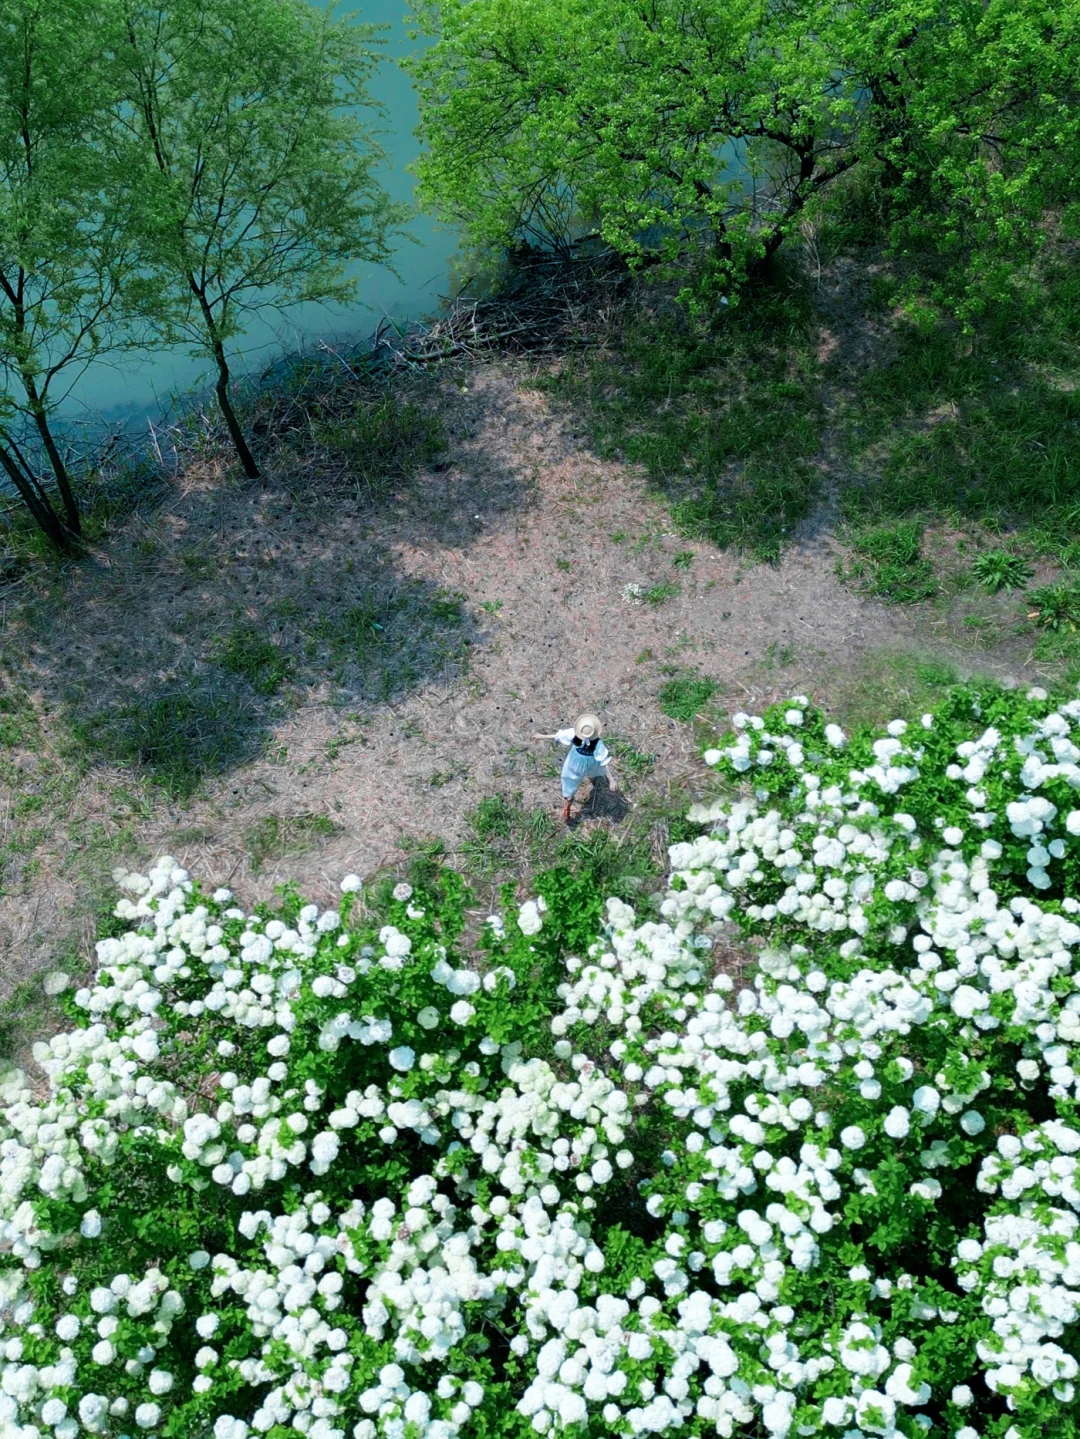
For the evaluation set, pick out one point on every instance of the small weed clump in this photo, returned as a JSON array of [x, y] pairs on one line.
[[891, 564], [686, 694], [631, 761], [659, 594], [1000, 570], [382, 441], [1057, 607], [248, 653], [275, 836]]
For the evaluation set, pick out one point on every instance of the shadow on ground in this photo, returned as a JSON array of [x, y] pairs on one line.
[[264, 596]]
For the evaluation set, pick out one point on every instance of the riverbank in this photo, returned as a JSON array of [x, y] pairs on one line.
[[340, 668]]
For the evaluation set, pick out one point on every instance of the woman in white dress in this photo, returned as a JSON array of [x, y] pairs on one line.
[[588, 757]]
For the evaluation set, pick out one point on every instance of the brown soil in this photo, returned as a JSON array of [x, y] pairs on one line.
[[522, 519]]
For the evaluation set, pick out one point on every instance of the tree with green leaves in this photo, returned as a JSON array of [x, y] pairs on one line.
[[659, 126], [71, 268], [244, 113]]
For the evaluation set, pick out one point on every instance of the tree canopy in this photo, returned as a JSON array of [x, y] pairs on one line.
[[656, 125], [244, 114], [71, 266]]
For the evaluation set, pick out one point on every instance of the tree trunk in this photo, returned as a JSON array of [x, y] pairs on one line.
[[236, 434], [37, 502], [59, 469]]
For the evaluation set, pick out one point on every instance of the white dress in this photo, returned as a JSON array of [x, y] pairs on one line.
[[578, 766]]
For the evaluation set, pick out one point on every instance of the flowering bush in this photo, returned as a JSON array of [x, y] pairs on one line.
[[298, 1173]]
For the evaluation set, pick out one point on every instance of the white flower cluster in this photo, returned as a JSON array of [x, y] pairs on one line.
[[833, 1201]]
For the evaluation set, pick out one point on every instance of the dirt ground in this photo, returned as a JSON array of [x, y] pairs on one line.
[[521, 520]]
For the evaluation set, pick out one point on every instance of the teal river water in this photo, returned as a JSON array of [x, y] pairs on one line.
[[140, 388]]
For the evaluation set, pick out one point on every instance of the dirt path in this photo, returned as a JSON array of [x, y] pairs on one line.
[[541, 538]]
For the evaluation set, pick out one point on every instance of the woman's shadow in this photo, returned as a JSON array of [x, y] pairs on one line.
[[603, 803]]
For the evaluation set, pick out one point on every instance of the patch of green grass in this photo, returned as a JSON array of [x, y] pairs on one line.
[[426, 854], [683, 560], [198, 563], [506, 842], [778, 656], [630, 759], [686, 694], [177, 737], [563, 565], [891, 564], [390, 639], [382, 441], [981, 428], [1056, 607], [275, 836], [1000, 570], [725, 420], [246, 652], [1060, 648], [447, 605], [491, 607], [18, 722], [440, 777], [890, 684], [504, 838], [659, 594], [342, 740]]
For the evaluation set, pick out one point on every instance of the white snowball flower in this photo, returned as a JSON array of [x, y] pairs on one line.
[[897, 1122], [351, 883], [403, 1058], [926, 1099], [529, 921]]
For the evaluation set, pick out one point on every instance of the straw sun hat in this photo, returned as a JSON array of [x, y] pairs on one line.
[[587, 726]]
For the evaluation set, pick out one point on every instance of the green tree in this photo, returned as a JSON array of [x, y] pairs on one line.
[[658, 125], [244, 111], [68, 253], [980, 121]]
